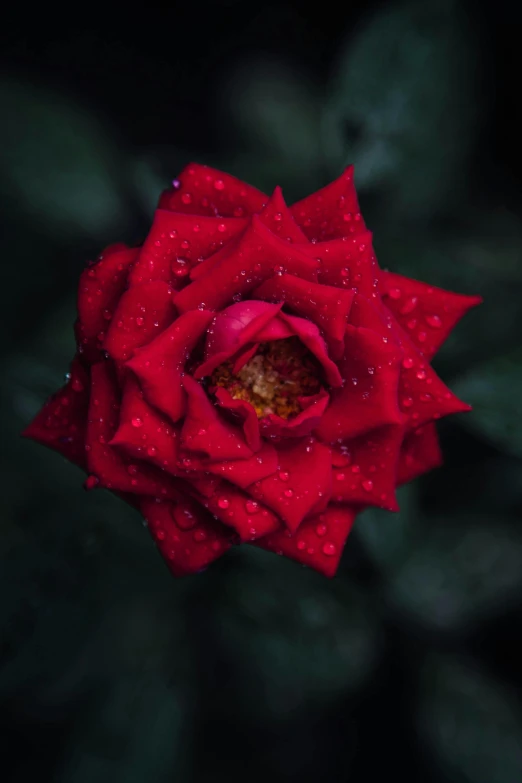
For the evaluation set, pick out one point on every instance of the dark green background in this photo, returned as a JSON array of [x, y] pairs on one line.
[[408, 663]]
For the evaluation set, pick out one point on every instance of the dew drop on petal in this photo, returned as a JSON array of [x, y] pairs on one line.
[[329, 549], [434, 321]]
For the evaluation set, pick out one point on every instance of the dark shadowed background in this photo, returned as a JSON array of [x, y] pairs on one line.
[[408, 663]]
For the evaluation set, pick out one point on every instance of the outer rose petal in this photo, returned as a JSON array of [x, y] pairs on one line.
[[160, 365], [142, 313], [278, 218], [427, 313], [100, 288], [248, 518], [348, 263], [203, 190], [60, 424], [423, 397], [325, 305], [290, 492], [318, 543], [260, 254], [190, 548], [243, 472], [104, 462], [143, 433], [420, 453], [332, 211], [368, 399], [177, 242], [365, 472]]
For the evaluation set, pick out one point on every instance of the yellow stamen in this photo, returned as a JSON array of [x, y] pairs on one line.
[[273, 379]]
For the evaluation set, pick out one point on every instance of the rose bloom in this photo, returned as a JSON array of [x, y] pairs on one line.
[[250, 375]]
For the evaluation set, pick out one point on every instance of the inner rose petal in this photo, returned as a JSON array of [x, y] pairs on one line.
[[274, 380]]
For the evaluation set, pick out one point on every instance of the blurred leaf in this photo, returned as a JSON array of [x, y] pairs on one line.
[[471, 724], [57, 164], [296, 639], [492, 389], [403, 104], [137, 731], [459, 570], [277, 113]]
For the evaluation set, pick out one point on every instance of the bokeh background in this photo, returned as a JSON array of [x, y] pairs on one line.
[[408, 663]]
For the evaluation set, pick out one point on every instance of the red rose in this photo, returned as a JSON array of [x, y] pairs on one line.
[[250, 374]]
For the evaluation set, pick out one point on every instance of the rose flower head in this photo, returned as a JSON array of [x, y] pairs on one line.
[[250, 375]]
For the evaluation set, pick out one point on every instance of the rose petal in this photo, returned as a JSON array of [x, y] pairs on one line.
[[318, 543], [243, 472], [259, 255], [310, 336], [177, 242], [434, 310], [186, 550], [246, 413], [290, 492], [204, 431], [160, 364], [100, 288], [143, 433], [332, 211], [277, 217], [347, 263], [142, 313], [61, 422], [249, 518], [326, 306], [103, 461], [300, 425], [203, 190], [233, 328], [368, 399], [420, 453], [368, 477]]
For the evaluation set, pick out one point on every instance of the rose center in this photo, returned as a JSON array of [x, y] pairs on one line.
[[273, 379]]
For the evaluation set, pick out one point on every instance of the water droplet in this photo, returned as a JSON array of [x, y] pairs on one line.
[[301, 545], [219, 184], [137, 422], [367, 485], [321, 529], [140, 321], [91, 482], [434, 321], [288, 493], [329, 549], [407, 362], [395, 293], [186, 198], [199, 535], [283, 475], [223, 503], [252, 506], [409, 305]]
